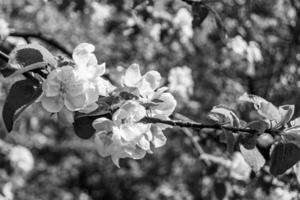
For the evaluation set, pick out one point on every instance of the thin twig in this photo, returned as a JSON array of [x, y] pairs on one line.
[[204, 126], [44, 38], [4, 57]]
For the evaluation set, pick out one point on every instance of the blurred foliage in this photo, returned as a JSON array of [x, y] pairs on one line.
[[258, 53]]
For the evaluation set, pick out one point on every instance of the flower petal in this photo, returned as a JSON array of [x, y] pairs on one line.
[[159, 139], [153, 78], [132, 75], [53, 104], [75, 103], [144, 144], [102, 124], [103, 144], [81, 53], [166, 107], [65, 116]]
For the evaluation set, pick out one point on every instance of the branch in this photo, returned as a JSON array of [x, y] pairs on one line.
[[4, 57], [196, 125], [44, 38]]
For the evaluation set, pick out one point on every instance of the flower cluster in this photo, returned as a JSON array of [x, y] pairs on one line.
[[76, 86], [125, 135], [120, 133], [249, 51]]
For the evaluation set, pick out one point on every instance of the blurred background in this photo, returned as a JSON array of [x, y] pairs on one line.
[[209, 52]]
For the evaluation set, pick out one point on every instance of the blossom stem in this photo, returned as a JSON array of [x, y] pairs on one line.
[[4, 57], [197, 125]]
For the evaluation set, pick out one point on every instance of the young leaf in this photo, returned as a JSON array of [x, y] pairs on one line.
[[292, 135], [259, 125], [29, 54], [295, 122], [21, 94], [224, 116], [83, 127], [253, 157], [283, 157], [286, 112], [263, 107]]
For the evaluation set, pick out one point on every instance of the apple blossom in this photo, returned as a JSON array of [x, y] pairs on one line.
[[21, 158], [76, 87], [183, 87], [124, 135], [65, 87], [88, 68]]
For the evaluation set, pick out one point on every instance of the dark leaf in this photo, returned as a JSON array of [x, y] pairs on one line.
[[283, 157], [83, 127], [220, 190], [136, 3], [22, 94], [29, 54], [249, 140], [200, 12]]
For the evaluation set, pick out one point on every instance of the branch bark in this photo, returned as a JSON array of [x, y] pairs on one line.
[[44, 38], [197, 125]]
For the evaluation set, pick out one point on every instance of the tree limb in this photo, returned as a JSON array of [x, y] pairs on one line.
[[44, 38]]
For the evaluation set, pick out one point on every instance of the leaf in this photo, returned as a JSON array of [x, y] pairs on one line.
[[136, 3], [21, 94], [292, 135], [249, 140], [253, 157], [83, 127], [220, 189], [295, 122], [224, 116], [259, 125], [29, 54], [283, 157], [287, 112], [263, 107], [200, 12]]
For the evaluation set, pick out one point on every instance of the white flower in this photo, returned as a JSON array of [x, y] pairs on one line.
[[123, 136], [88, 68], [181, 82], [101, 13], [253, 52], [156, 31], [21, 158], [4, 30], [77, 88], [65, 87], [238, 45], [183, 20], [163, 102]]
